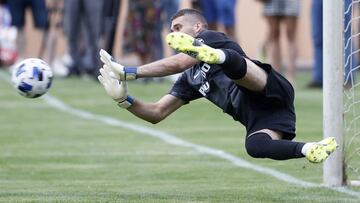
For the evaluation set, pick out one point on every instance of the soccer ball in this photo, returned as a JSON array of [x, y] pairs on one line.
[[32, 77]]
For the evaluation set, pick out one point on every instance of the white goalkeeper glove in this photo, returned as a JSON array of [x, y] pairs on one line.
[[119, 71], [115, 89]]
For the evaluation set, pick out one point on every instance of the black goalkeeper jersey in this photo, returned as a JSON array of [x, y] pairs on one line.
[[272, 109]]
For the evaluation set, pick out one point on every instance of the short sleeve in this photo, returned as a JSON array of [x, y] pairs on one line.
[[183, 90]]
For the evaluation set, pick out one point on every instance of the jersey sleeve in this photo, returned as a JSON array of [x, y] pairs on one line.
[[183, 90]]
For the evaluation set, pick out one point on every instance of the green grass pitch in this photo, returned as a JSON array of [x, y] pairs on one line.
[[47, 155]]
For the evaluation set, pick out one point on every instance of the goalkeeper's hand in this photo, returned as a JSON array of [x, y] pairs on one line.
[[118, 71], [115, 89]]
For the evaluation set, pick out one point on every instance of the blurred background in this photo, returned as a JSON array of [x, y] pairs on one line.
[[68, 33]]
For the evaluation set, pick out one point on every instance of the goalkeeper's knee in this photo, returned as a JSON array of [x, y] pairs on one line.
[[234, 66], [256, 145]]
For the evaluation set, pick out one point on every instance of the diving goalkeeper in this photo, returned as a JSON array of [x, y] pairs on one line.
[[215, 67]]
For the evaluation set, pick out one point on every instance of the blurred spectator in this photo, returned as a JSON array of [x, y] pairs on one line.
[[39, 12], [143, 30], [82, 24], [317, 41], [277, 12], [168, 8], [220, 13], [111, 10], [52, 31], [142, 33], [8, 33]]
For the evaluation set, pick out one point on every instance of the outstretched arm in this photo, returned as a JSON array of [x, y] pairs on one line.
[[151, 112], [167, 66], [155, 112]]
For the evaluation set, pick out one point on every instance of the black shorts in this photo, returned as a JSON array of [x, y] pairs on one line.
[[272, 108], [277, 85]]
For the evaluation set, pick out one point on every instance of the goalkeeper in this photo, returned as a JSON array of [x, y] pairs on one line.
[[215, 67]]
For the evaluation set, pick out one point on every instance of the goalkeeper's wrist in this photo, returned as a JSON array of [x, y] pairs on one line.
[[130, 73], [125, 103]]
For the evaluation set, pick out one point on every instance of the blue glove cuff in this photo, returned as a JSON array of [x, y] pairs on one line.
[[126, 103], [130, 73], [130, 99]]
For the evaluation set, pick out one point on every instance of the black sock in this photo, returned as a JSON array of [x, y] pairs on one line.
[[234, 66], [260, 145]]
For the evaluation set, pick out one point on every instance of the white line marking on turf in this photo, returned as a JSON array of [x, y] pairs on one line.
[[171, 139]]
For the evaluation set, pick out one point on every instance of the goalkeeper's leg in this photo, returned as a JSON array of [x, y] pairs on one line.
[[319, 151], [261, 145], [189, 45], [235, 66]]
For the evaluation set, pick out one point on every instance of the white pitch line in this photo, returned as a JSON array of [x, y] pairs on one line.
[[171, 139]]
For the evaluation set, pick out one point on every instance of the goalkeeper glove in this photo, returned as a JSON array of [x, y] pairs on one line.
[[118, 71], [115, 89]]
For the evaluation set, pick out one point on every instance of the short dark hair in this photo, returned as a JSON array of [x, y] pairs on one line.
[[189, 11]]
